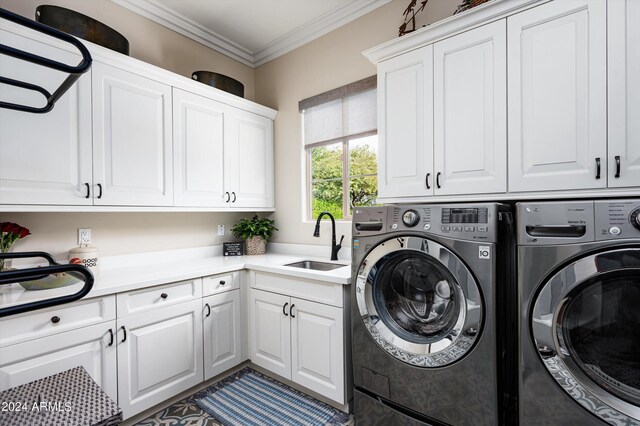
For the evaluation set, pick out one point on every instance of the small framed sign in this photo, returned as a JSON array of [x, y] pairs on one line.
[[235, 248]]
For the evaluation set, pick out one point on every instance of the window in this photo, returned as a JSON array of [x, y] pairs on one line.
[[341, 149]]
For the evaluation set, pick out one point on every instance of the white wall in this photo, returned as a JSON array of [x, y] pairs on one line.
[[122, 233], [323, 64]]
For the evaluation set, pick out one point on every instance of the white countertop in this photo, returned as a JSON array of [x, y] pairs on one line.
[[147, 274]]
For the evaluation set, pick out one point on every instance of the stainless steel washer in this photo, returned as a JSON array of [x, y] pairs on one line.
[[579, 292], [423, 326]]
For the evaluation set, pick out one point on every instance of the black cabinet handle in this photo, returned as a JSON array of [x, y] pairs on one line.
[[617, 166], [598, 168], [222, 282], [124, 330], [228, 197], [426, 180], [55, 319], [284, 309], [291, 310], [99, 190], [234, 197], [208, 310], [111, 337], [88, 190], [438, 180], [164, 295]]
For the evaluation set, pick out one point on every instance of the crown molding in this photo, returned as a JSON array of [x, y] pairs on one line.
[[318, 27]]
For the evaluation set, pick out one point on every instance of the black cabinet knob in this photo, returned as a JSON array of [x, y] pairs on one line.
[[164, 295], [222, 282], [55, 319]]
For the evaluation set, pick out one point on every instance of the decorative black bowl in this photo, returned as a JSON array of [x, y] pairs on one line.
[[82, 26], [219, 81]]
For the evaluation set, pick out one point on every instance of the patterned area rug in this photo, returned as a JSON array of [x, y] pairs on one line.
[[270, 403], [249, 398]]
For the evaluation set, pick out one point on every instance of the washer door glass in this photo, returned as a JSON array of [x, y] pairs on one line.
[[586, 326], [419, 301], [601, 328], [416, 296]]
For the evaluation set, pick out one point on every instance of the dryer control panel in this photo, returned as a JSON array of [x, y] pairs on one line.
[[617, 219]]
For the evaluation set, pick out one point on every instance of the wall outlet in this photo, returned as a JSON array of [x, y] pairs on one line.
[[220, 229], [84, 236]]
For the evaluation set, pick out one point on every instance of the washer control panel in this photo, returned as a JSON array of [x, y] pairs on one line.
[[617, 219], [470, 222]]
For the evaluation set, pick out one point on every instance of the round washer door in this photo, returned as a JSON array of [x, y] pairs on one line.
[[586, 326], [419, 301]]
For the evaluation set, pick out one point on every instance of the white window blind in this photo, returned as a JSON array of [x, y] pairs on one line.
[[344, 113]]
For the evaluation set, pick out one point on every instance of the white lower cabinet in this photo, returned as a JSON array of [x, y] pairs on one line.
[[91, 347], [159, 355], [317, 348], [222, 349], [299, 340], [270, 332]]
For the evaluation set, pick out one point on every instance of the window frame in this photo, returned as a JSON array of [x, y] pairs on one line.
[[346, 175]]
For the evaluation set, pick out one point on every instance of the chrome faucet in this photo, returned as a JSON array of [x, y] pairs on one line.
[[335, 248]]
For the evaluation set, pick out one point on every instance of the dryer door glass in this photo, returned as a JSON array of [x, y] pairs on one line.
[[586, 326], [419, 301], [601, 328]]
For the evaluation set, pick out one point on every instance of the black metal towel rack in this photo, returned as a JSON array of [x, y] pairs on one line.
[[74, 71], [17, 275]]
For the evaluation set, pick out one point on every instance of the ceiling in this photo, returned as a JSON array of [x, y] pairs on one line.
[[252, 31]]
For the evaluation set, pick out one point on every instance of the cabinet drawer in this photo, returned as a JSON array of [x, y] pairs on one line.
[[219, 283], [134, 302], [36, 324], [316, 291]]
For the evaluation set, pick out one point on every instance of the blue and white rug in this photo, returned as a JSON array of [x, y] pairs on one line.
[[248, 398]]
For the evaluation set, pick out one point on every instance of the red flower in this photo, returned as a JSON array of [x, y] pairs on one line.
[[24, 232]]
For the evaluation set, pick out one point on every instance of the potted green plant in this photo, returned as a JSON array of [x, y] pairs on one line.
[[255, 232]]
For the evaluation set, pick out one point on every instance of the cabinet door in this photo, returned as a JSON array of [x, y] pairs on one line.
[[132, 139], [248, 160], [557, 96], [624, 93], [44, 158], [317, 349], [221, 333], [160, 357], [270, 331], [405, 125], [198, 150], [470, 113], [89, 347]]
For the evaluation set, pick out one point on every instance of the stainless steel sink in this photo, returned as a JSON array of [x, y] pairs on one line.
[[316, 266]]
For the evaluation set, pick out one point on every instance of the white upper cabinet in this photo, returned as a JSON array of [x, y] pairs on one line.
[[470, 115], [557, 96], [405, 125], [44, 158], [624, 93], [248, 160], [132, 139], [198, 150]]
